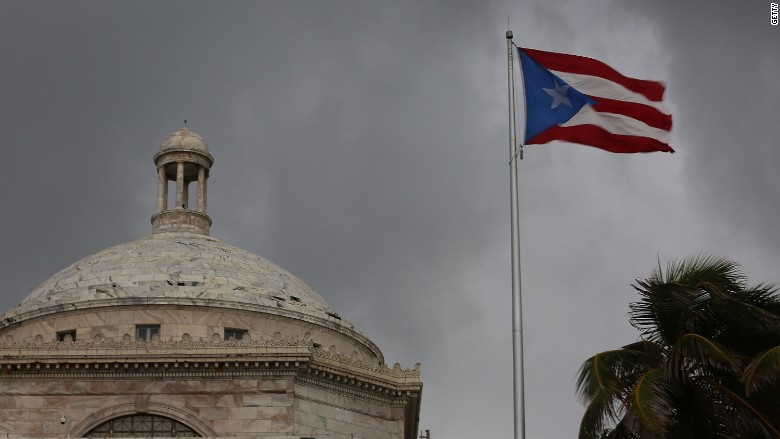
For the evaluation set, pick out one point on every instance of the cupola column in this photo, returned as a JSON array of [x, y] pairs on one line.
[[162, 189], [179, 185], [185, 195], [201, 189]]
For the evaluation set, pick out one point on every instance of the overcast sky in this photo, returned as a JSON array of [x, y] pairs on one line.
[[362, 145]]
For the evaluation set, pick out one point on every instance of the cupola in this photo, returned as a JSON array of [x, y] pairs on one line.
[[184, 159]]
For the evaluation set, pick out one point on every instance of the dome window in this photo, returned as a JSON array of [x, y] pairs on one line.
[[68, 336], [146, 332], [234, 334]]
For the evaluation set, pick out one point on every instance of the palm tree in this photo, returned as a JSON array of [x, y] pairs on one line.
[[705, 364]]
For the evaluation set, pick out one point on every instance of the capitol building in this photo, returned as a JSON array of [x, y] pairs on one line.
[[180, 334]]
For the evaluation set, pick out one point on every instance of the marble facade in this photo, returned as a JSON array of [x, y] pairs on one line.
[[72, 357]]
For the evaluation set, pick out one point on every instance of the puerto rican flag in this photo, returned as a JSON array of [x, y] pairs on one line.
[[581, 100]]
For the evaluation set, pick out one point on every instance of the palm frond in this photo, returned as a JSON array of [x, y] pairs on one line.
[[648, 405], [739, 415], [599, 415], [705, 365], [764, 296], [661, 313], [748, 328], [604, 380], [763, 370], [695, 355], [612, 371], [620, 431], [706, 268], [653, 350], [703, 294]]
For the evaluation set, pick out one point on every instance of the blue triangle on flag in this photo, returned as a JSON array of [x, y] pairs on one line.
[[549, 100]]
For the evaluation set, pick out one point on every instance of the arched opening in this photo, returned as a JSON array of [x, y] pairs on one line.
[[141, 425]]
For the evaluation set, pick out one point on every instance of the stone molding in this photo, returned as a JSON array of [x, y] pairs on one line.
[[127, 342], [172, 156], [358, 389], [354, 361], [181, 220], [129, 356]]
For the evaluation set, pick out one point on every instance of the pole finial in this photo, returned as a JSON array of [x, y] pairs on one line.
[[509, 35]]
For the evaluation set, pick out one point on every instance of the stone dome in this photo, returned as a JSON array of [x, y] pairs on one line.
[[181, 269], [184, 139]]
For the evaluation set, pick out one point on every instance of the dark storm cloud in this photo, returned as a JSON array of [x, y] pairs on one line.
[[723, 77], [362, 146]]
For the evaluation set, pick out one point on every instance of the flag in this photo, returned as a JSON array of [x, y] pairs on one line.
[[581, 100]]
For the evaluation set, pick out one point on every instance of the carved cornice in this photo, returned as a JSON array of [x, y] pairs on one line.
[[130, 357], [357, 389], [355, 362]]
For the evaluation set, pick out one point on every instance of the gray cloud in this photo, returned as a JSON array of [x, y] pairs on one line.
[[363, 147]]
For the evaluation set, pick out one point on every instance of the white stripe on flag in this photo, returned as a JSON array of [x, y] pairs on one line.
[[599, 87], [616, 124]]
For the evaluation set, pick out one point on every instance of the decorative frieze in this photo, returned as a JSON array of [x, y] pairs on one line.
[[155, 344], [354, 361], [110, 356]]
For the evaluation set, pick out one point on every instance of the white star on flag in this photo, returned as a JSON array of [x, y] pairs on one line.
[[558, 94]]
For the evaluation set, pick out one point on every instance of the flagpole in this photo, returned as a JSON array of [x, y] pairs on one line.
[[517, 307]]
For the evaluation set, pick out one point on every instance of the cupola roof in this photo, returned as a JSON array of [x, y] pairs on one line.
[[184, 139]]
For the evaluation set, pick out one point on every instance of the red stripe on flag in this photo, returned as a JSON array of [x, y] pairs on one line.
[[598, 137], [644, 113], [652, 90]]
